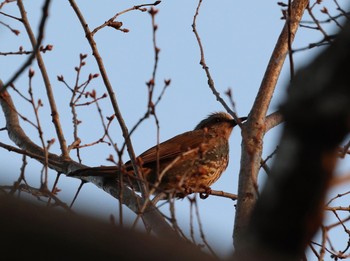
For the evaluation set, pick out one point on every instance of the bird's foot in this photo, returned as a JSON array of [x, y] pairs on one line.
[[184, 191], [206, 193]]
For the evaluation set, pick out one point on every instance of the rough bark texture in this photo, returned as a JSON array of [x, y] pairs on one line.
[[317, 111], [255, 128]]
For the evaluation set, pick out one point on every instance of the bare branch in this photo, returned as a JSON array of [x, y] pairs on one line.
[[284, 221], [49, 92], [273, 120], [152, 215], [111, 93], [35, 46], [111, 21], [255, 127], [206, 68]]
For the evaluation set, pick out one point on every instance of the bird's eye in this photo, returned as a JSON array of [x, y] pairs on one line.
[[218, 120]]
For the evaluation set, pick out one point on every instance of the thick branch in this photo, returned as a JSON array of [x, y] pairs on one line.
[[273, 120], [18, 136], [151, 215], [254, 129], [291, 207], [317, 117]]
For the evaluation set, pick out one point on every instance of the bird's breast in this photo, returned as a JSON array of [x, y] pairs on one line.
[[197, 170]]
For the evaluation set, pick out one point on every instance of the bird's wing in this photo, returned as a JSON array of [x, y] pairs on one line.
[[168, 149], [173, 147]]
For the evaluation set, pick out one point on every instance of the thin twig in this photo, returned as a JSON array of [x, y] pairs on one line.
[[206, 68], [290, 53], [111, 92], [111, 20], [16, 53], [155, 186], [36, 46], [77, 193], [11, 16], [346, 14], [54, 187], [40, 61], [15, 31], [337, 196], [38, 127], [153, 216], [191, 218], [325, 35], [201, 232]]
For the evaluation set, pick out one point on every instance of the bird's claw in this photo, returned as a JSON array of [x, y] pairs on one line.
[[206, 193]]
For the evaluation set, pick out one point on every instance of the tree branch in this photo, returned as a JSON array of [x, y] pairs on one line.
[[273, 120], [254, 129], [111, 93], [206, 68], [35, 48], [291, 207], [151, 214], [49, 92]]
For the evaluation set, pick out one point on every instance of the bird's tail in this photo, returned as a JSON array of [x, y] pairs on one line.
[[103, 171], [108, 172]]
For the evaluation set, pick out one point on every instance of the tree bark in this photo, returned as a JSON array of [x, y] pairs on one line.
[[254, 130], [317, 112]]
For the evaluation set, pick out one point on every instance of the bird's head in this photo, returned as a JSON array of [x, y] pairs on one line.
[[219, 122]]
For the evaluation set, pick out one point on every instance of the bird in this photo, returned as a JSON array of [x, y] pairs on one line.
[[187, 163]]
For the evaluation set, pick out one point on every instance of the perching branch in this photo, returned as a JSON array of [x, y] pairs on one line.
[[27, 147]]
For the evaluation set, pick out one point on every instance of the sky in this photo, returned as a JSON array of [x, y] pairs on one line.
[[238, 38]]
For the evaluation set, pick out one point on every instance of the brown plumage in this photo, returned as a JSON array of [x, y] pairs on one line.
[[189, 162]]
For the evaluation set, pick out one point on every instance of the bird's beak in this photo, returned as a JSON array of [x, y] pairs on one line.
[[242, 119]]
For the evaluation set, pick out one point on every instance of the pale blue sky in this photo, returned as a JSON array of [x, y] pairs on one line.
[[238, 38]]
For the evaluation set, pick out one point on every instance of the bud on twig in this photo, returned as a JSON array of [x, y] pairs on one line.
[[31, 73]]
